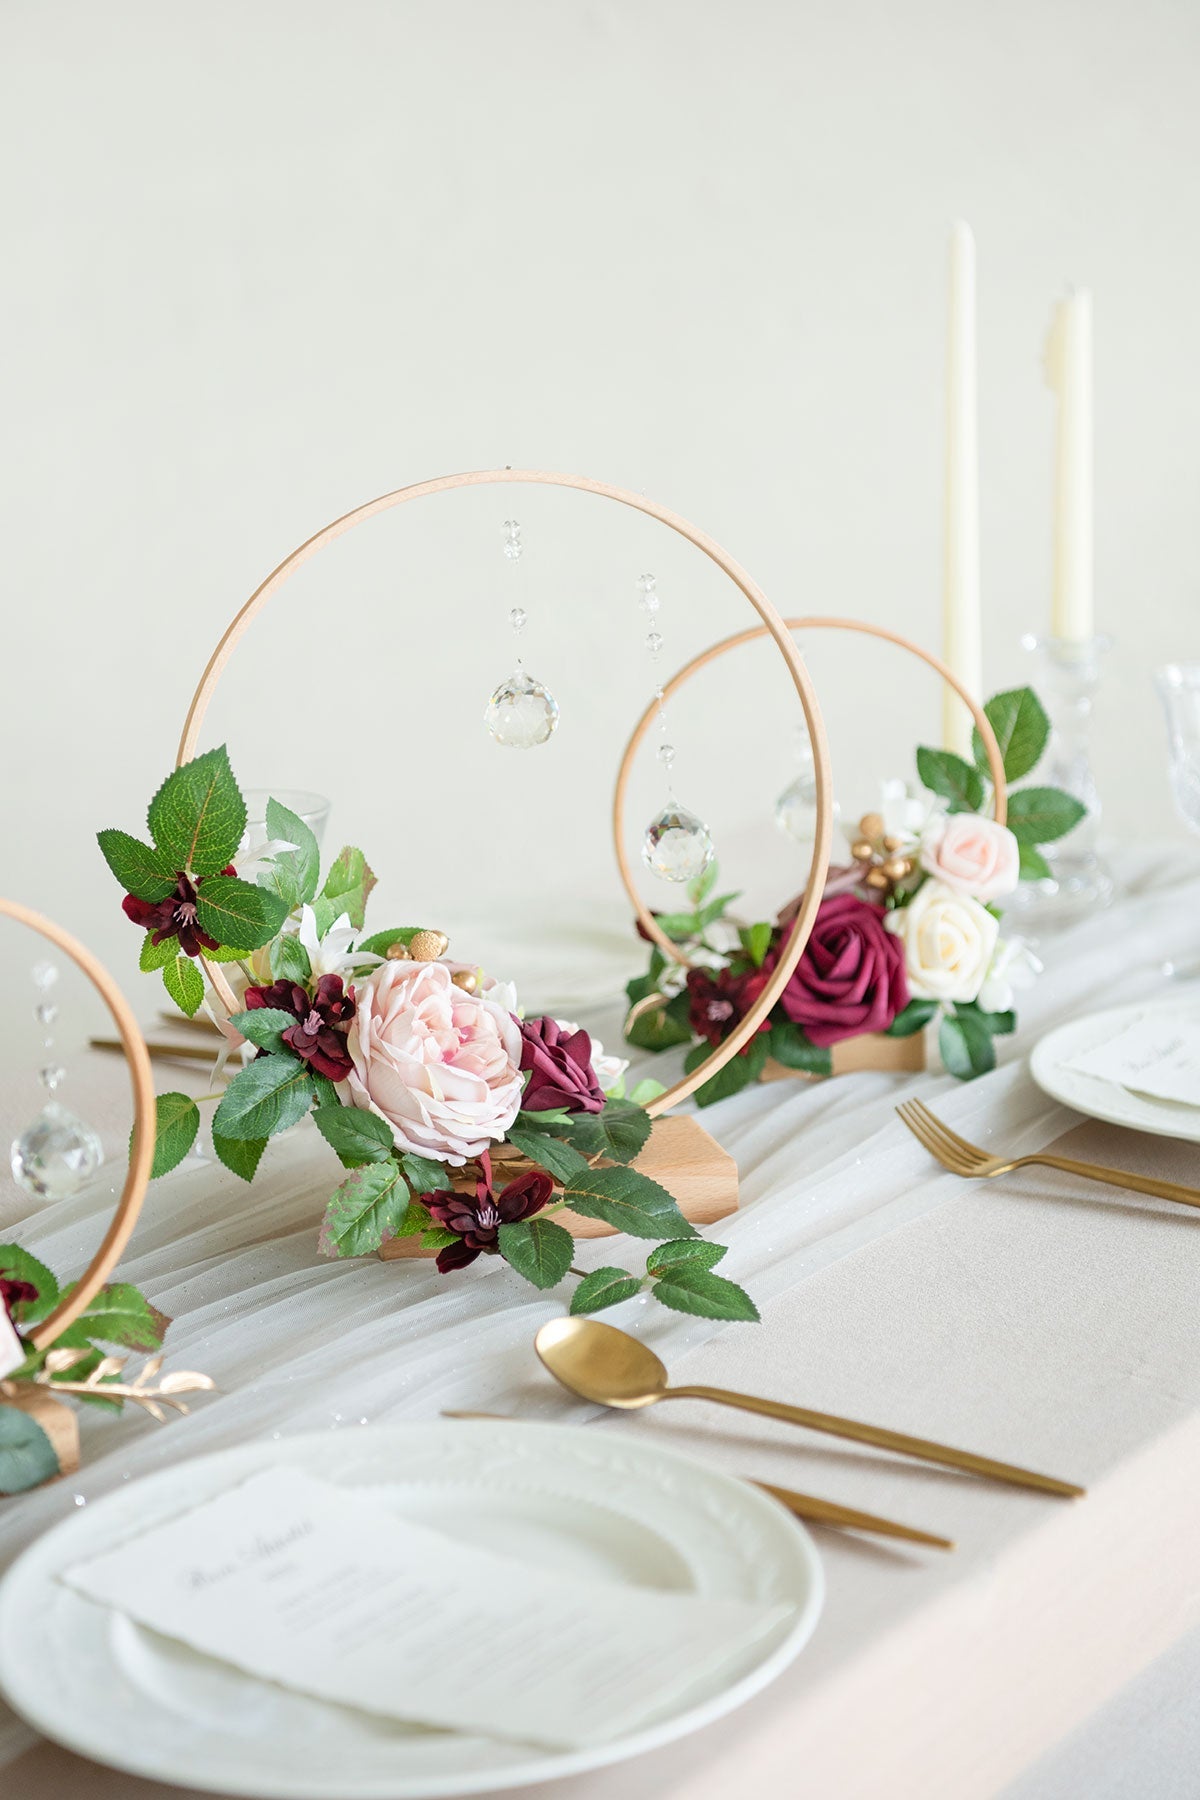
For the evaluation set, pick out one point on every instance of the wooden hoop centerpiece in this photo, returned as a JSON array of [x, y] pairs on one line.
[[983, 724], [141, 1153], [772, 626]]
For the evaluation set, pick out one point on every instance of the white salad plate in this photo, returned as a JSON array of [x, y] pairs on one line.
[[592, 1504], [1050, 1066]]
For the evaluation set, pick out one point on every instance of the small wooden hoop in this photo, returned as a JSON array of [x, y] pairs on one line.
[[772, 626], [983, 724], [141, 1154]]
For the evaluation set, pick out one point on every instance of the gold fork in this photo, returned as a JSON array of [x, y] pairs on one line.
[[962, 1158]]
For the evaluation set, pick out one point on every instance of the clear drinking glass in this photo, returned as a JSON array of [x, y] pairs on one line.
[[312, 808], [1178, 687]]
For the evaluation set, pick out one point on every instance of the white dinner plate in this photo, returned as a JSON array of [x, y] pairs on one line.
[[589, 1503], [1092, 1094]]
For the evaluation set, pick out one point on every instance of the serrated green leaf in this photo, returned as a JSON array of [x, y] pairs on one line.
[[240, 1155], [914, 1018], [626, 1129], [27, 1457], [966, 1046], [177, 1120], [1033, 864], [538, 1249], [19, 1265], [550, 1153], [141, 869], [237, 913], [289, 960], [756, 941], [156, 956], [292, 874], [714, 910], [1041, 815], [380, 942], [942, 772], [424, 1175], [604, 1287], [437, 1239], [348, 885], [630, 1201], [789, 1045], [659, 1027], [267, 1096], [647, 1090], [185, 984], [366, 1210], [678, 926], [198, 816], [358, 1136], [736, 1074], [702, 885], [690, 1289], [120, 1314], [697, 1252], [264, 1026], [1019, 721]]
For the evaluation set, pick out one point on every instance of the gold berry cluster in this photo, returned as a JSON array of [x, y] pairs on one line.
[[428, 946], [880, 856]]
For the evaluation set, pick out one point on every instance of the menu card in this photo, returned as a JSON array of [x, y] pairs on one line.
[[1158, 1054], [325, 1590]]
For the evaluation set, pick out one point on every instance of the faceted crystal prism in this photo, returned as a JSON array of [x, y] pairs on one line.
[[55, 1155], [677, 844], [521, 713]]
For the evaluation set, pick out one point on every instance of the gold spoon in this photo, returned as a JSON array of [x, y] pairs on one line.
[[602, 1364]]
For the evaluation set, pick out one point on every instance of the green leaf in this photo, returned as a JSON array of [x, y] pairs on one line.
[[358, 1136], [19, 1265], [141, 870], [697, 1252], [267, 1096], [424, 1175], [538, 1249], [647, 1090], [1039, 815], [550, 1120], [715, 909], [756, 940], [292, 874], [240, 1155], [914, 1018], [237, 913], [27, 1457], [1034, 866], [790, 1046], [952, 776], [380, 942], [604, 1287], [1000, 1024], [198, 816], [1019, 721], [659, 1027], [630, 1201], [185, 984], [289, 960], [702, 885], [121, 1314], [156, 956], [626, 1127], [687, 1288], [966, 1046], [365, 1211], [348, 884], [550, 1153], [177, 1120], [264, 1026], [736, 1074]]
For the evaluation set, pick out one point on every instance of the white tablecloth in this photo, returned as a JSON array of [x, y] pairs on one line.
[[1002, 1317]]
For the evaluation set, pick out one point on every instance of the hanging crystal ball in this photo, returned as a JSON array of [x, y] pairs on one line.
[[55, 1155], [677, 845], [44, 975], [521, 713]]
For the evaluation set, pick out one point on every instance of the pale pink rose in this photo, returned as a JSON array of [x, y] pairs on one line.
[[972, 855], [443, 1067]]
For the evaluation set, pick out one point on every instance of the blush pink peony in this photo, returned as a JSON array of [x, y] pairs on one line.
[[973, 856], [443, 1067]]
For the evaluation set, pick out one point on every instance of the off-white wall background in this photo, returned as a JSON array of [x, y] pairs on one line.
[[264, 260]]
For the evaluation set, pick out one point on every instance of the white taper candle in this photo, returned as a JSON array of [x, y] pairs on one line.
[[962, 629], [1069, 373]]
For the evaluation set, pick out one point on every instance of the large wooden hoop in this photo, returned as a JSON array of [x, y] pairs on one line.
[[141, 1153], [772, 626], [983, 724]]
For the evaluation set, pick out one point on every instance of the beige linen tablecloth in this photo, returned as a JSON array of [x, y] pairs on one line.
[[1033, 1318]]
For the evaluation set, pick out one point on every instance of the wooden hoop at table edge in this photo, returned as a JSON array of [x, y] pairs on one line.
[[141, 1154], [772, 625], [983, 724]]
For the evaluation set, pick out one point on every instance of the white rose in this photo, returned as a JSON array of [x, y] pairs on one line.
[[949, 941]]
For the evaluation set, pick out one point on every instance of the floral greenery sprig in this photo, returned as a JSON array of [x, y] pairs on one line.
[[907, 933], [76, 1363], [460, 1122]]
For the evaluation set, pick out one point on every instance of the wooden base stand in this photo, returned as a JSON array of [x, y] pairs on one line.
[[873, 1050], [701, 1178]]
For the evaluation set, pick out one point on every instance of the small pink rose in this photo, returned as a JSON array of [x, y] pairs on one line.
[[973, 856]]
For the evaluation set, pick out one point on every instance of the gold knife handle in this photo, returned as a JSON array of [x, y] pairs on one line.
[[881, 1438], [1121, 1178], [828, 1512]]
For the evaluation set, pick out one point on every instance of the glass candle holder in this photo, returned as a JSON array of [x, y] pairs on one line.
[[312, 808]]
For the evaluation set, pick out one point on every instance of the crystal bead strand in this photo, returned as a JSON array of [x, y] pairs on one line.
[[796, 807], [677, 844], [521, 713], [55, 1155]]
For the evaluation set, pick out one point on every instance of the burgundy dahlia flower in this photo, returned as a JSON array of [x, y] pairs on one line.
[[717, 1001], [560, 1068], [477, 1218], [175, 916], [14, 1292], [319, 1035]]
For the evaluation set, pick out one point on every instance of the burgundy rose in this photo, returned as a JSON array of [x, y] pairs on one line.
[[560, 1068], [477, 1218], [175, 916], [719, 999], [319, 1035], [851, 976]]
